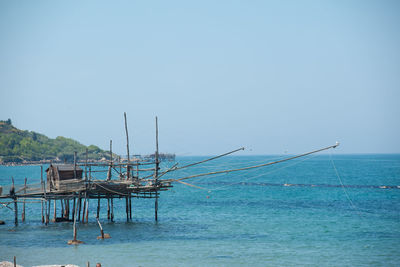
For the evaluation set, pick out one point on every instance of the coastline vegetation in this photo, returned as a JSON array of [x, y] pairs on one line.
[[21, 146]]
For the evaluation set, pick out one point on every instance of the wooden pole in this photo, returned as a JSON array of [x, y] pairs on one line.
[[130, 207], [102, 234], [55, 211], [74, 164], [74, 230], [44, 192], [23, 205], [156, 207], [127, 209], [87, 210], [120, 167], [67, 209], [111, 156], [62, 209], [46, 217], [108, 207], [112, 209], [73, 209], [84, 209], [48, 212], [98, 205], [156, 173], [101, 228], [12, 193], [127, 147], [15, 261], [86, 160], [80, 206]]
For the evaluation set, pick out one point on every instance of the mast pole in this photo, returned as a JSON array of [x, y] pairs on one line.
[[127, 147]]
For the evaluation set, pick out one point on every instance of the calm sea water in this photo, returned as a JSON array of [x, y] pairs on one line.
[[239, 219]]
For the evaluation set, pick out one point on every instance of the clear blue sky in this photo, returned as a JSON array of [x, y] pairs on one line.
[[272, 76]]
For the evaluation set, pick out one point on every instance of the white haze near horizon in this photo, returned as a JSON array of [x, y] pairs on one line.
[[273, 76]]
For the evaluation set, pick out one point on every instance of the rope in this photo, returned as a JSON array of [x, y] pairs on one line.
[[265, 173], [342, 185], [242, 181], [253, 167]]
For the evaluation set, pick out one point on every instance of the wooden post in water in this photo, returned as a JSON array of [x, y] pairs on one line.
[[84, 209], [62, 208], [67, 209], [48, 211], [127, 209], [44, 192], [55, 210], [112, 209], [73, 209], [98, 205], [130, 207], [156, 173], [23, 205], [80, 206], [74, 241], [108, 207], [87, 210], [45, 219], [102, 234], [12, 193]]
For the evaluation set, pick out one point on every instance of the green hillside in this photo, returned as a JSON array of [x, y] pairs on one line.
[[19, 146]]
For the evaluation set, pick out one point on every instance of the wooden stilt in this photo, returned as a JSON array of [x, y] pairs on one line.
[[41, 202], [47, 211], [62, 208], [108, 207], [127, 208], [55, 210], [156, 208], [157, 162], [67, 208], [87, 210], [84, 209], [73, 209], [112, 209], [80, 206], [74, 241], [44, 216], [12, 193], [23, 205], [98, 205], [130, 207]]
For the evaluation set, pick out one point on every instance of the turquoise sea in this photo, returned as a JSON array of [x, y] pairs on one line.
[[247, 218]]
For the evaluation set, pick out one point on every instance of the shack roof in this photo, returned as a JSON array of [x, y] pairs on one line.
[[66, 167]]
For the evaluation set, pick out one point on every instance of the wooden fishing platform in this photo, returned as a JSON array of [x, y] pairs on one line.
[[121, 179], [77, 182]]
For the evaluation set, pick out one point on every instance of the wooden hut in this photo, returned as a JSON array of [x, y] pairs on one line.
[[63, 176]]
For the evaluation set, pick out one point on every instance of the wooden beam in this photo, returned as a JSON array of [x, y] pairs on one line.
[[23, 205]]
